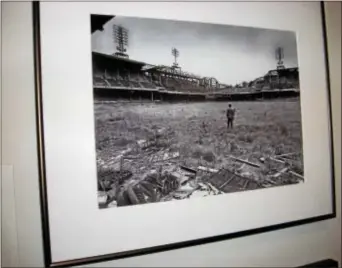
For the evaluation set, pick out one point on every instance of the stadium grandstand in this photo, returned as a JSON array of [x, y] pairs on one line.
[[278, 79], [274, 84], [175, 79], [126, 78], [122, 77], [110, 71]]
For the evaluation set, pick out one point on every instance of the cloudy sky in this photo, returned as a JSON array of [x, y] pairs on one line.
[[230, 54]]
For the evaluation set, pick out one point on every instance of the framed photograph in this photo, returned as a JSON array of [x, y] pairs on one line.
[[164, 125]]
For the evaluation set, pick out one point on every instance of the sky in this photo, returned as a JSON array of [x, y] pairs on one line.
[[231, 54]]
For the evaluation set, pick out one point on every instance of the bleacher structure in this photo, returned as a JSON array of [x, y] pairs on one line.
[[123, 72], [278, 79], [118, 73], [280, 83], [122, 77], [119, 77]]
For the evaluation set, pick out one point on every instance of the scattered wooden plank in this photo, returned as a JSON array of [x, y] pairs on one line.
[[140, 195], [277, 160], [188, 169], [131, 157], [157, 185], [214, 175], [146, 191], [270, 181], [167, 159], [280, 172], [297, 175], [213, 188], [132, 196], [285, 160], [288, 154], [212, 170], [245, 184], [245, 162], [227, 181], [242, 177]]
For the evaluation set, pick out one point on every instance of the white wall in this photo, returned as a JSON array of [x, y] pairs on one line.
[[288, 247]]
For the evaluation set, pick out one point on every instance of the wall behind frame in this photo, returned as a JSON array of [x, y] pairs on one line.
[[288, 247]]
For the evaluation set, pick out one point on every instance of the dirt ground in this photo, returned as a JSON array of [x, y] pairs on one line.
[[195, 133]]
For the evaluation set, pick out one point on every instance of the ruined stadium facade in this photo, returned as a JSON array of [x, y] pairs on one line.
[[123, 78]]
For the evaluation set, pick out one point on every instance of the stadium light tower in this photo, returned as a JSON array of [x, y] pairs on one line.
[[175, 53], [120, 37], [279, 55]]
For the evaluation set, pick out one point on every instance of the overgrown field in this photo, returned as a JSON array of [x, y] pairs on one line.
[[195, 132]]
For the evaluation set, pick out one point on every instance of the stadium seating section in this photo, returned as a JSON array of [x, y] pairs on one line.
[[178, 84], [109, 79], [141, 81]]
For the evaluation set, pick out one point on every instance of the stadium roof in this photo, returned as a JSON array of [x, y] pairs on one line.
[[97, 22], [286, 70], [171, 71], [140, 63], [149, 67]]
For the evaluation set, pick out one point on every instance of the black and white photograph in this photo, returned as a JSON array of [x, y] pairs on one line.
[[185, 109]]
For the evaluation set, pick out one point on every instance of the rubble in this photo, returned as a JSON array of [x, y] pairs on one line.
[[152, 172]]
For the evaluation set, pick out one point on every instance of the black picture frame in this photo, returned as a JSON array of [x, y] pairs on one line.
[[102, 258]]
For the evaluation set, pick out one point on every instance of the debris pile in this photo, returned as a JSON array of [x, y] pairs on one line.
[[151, 170], [165, 180], [109, 177]]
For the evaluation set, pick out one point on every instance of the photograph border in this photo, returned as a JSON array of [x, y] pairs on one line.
[[160, 248]]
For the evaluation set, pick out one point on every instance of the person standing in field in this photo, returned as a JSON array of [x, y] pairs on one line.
[[230, 116]]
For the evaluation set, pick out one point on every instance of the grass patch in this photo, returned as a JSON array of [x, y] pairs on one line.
[[198, 131]]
